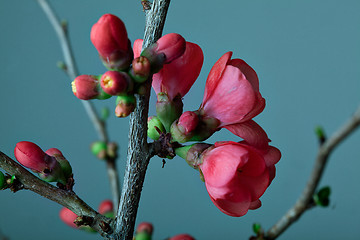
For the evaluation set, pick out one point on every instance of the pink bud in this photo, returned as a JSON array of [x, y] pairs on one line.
[[31, 156], [106, 206], [182, 237], [145, 227], [68, 217], [172, 45], [188, 121], [109, 34], [85, 87], [114, 82], [54, 152], [140, 69], [109, 37]]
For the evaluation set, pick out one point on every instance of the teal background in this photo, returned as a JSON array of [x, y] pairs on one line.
[[307, 56]]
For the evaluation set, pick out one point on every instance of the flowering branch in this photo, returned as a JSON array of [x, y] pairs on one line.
[[68, 199], [304, 202], [138, 152], [72, 71]]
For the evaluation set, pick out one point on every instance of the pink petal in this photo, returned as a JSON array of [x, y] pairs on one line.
[[255, 204], [272, 156], [251, 132], [232, 99], [220, 165], [215, 75], [137, 47], [249, 73], [236, 207]]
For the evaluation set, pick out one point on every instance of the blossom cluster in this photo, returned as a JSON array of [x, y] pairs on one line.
[[236, 174]]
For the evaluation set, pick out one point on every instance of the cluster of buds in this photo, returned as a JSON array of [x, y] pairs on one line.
[[51, 165], [236, 174], [126, 74]]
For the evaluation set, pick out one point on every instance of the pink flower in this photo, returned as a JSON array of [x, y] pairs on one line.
[[232, 92], [145, 227], [106, 206], [237, 175], [177, 77], [32, 156], [115, 83], [68, 217], [182, 237], [110, 38]]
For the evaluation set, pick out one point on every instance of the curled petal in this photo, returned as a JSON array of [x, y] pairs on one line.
[[232, 99], [251, 132], [215, 74]]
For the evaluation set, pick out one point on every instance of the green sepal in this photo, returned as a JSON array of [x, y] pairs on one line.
[[154, 125], [143, 236]]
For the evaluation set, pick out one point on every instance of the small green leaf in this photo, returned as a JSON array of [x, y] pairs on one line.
[[322, 197], [257, 228], [320, 133]]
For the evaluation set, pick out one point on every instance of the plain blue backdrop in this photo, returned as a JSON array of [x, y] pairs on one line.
[[306, 54]]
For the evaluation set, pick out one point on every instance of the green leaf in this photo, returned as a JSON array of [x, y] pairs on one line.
[[322, 197], [256, 228]]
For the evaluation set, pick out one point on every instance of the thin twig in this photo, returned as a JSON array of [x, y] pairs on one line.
[[65, 198], [72, 72], [305, 199], [138, 151]]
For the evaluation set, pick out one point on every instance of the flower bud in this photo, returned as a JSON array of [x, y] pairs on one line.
[[68, 217], [87, 87], [145, 227], [168, 48], [109, 37], [125, 105], [140, 70], [31, 156], [154, 126], [115, 83], [99, 149], [106, 208], [182, 237]]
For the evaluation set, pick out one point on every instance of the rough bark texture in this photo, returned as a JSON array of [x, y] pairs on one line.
[[138, 151]]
